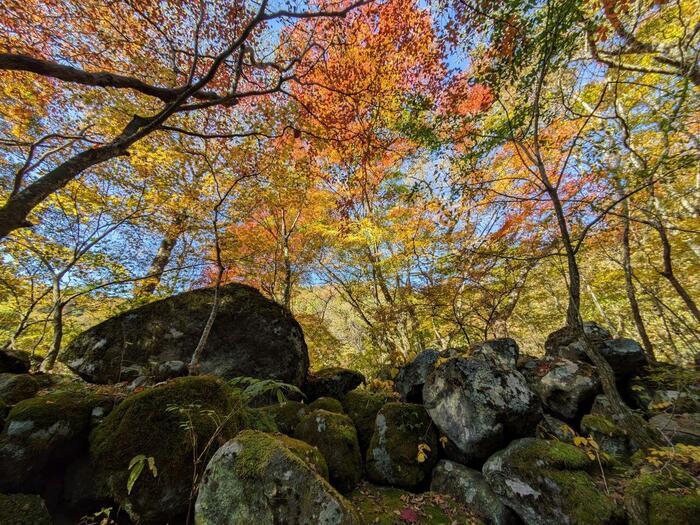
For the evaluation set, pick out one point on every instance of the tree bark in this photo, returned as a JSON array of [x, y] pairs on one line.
[[161, 259], [670, 276], [629, 285], [57, 323]]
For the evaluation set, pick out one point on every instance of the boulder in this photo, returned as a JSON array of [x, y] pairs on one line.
[[43, 434], [326, 403], [23, 509], [162, 423], [469, 487], [625, 356], [17, 387], [362, 407], [251, 336], [412, 376], [335, 437], [14, 361], [479, 406], [84, 487], [256, 478], [285, 415], [564, 343], [610, 437], [331, 382], [552, 428], [566, 388], [678, 428], [503, 351], [394, 456], [546, 483]]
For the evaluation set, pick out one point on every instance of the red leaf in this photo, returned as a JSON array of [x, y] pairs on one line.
[[409, 515]]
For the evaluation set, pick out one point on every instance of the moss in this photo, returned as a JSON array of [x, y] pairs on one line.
[[598, 424], [17, 387], [336, 438], [310, 455], [392, 456], [586, 505], [23, 509], [145, 423], [553, 454], [383, 505], [285, 415], [672, 509], [362, 407], [667, 498], [326, 403]]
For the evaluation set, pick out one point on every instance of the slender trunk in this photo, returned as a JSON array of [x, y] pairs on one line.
[[668, 273], [287, 292], [197, 354], [160, 261], [629, 285], [643, 435], [57, 323]]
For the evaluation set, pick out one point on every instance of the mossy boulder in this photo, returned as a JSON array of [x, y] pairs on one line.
[[257, 478], [392, 506], [251, 336], [17, 387], [42, 434], [161, 423], [23, 509], [332, 382], [393, 456], [326, 403], [670, 496], [547, 483], [310, 455], [285, 415], [552, 428], [362, 407], [611, 438], [336, 438]]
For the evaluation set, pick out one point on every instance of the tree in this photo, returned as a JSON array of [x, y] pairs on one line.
[[219, 43]]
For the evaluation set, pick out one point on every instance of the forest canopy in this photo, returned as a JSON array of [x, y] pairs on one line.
[[399, 174]]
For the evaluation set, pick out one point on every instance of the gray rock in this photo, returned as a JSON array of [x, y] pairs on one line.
[[625, 356], [392, 456], [45, 433], [546, 483], [331, 382], [503, 351], [412, 376], [479, 406], [14, 361], [251, 336], [17, 387], [566, 388], [255, 478], [678, 428], [23, 509], [610, 437], [468, 486], [552, 428]]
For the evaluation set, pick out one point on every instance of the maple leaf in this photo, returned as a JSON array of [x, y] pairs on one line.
[[409, 515]]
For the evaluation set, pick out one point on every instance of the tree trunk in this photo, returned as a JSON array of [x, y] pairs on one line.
[[635, 427], [667, 272], [629, 285], [57, 323], [287, 292], [161, 260]]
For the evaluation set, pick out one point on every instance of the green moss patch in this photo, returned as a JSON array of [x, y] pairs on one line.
[[392, 506], [326, 403], [362, 407]]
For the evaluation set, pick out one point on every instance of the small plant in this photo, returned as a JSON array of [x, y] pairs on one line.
[[592, 449], [101, 517], [136, 466]]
